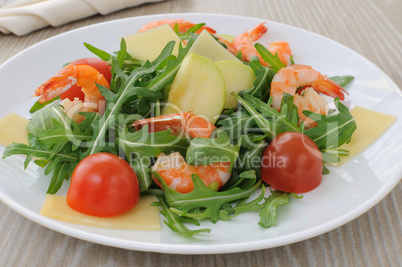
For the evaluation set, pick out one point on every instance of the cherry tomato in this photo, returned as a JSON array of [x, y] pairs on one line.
[[292, 163], [99, 64], [103, 185]]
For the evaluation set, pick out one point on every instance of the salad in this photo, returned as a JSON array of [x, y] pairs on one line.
[[109, 119]]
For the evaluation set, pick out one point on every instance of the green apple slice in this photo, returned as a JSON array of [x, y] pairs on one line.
[[149, 44], [198, 87], [237, 77], [205, 45], [228, 37]]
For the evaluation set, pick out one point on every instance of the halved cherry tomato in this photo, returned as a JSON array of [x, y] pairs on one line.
[[292, 163], [103, 185], [97, 63]]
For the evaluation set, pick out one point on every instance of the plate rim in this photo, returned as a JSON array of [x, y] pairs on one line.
[[385, 189]]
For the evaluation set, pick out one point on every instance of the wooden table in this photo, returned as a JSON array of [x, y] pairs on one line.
[[370, 27]]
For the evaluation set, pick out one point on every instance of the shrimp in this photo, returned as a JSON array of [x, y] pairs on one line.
[[288, 80], [193, 125], [245, 43], [283, 50], [177, 173], [84, 76], [183, 24]]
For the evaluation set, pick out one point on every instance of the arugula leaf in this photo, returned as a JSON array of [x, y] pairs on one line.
[[98, 52], [122, 52], [175, 222], [61, 163], [250, 155], [237, 124], [266, 126], [151, 144], [37, 106], [262, 83], [342, 81], [333, 155], [291, 60], [226, 212], [34, 149], [116, 101], [141, 167], [284, 121], [269, 120], [239, 55], [332, 130], [203, 197], [169, 73], [243, 206], [53, 128], [244, 180], [205, 151], [270, 206], [273, 60], [60, 172], [186, 35]]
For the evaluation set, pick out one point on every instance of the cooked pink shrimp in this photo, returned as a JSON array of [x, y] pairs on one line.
[[183, 24], [194, 125], [245, 43], [288, 80], [84, 76], [177, 173], [281, 48], [229, 45]]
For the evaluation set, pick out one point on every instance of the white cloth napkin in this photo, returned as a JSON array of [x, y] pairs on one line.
[[24, 16]]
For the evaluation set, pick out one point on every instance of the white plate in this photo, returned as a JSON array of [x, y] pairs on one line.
[[346, 193]]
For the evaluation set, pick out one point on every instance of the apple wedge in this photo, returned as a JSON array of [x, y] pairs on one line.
[[198, 87], [237, 77], [227, 37], [205, 45], [148, 45]]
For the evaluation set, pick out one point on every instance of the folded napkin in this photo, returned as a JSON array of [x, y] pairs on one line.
[[24, 16]]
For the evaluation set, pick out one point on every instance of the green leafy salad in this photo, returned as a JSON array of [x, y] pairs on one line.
[[139, 90]]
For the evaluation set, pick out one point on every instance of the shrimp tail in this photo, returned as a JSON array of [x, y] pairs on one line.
[[329, 87], [58, 84], [187, 25], [257, 31], [81, 75], [183, 25], [245, 42]]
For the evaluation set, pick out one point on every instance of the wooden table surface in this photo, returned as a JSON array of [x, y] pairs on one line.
[[369, 27]]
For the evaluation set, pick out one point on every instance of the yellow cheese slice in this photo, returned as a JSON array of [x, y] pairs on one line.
[[148, 45], [370, 126], [13, 129], [142, 217]]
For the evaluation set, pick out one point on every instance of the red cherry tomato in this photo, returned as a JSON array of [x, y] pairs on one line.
[[99, 64], [103, 185], [292, 163]]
